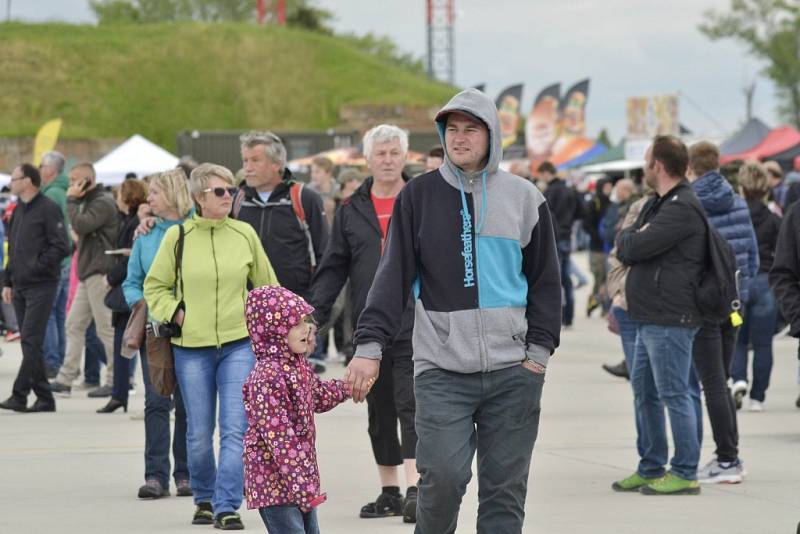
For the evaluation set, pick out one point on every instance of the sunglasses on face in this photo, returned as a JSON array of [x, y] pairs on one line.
[[220, 191]]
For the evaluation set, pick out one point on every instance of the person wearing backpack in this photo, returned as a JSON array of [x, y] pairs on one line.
[[715, 341], [666, 250]]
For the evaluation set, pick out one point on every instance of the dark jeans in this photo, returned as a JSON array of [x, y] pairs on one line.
[[288, 519], [156, 431], [33, 306], [495, 413], [94, 355], [122, 365], [568, 309], [55, 340], [760, 318], [391, 400], [627, 332], [712, 354]]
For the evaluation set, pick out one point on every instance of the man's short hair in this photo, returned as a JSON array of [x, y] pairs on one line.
[[87, 170], [323, 163], [548, 167], [56, 159], [31, 172], [384, 133], [774, 168], [273, 146], [753, 180], [672, 154], [436, 152], [703, 157]]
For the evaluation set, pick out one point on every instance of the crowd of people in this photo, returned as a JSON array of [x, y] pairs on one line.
[[446, 294]]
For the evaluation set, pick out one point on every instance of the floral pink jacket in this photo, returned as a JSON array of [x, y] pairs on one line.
[[281, 395]]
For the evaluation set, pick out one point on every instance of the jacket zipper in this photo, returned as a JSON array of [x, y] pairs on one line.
[[216, 289], [481, 326]]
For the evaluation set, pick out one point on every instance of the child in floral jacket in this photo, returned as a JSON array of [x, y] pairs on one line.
[[281, 396]]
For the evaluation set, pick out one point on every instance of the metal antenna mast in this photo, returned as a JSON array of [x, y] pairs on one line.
[[441, 65]]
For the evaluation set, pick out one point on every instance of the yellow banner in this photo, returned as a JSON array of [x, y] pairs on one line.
[[46, 140]]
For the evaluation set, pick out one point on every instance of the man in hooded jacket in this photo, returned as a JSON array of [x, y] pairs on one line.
[[478, 246]]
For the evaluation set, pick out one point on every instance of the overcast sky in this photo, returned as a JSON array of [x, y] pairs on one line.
[[626, 47]]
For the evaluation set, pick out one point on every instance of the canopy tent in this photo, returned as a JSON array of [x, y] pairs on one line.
[[787, 158], [5, 179], [612, 154], [613, 166], [137, 155], [596, 150], [749, 136], [779, 140]]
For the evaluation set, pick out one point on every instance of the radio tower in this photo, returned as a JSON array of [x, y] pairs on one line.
[[440, 40]]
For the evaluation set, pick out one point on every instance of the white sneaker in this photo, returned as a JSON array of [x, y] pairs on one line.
[[715, 473], [755, 406], [739, 390]]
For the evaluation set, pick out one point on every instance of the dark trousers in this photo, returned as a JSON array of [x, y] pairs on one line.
[[568, 309], [94, 355], [712, 354], [122, 365], [156, 431], [32, 306], [391, 400], [496, 414]]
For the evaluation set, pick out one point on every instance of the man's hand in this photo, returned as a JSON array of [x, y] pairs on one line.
[[77, 190], [8, 294], [534, 367], [145, 225], [178, 318], [361, 375]]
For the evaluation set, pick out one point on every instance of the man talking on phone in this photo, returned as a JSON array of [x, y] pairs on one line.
[[93, 217]]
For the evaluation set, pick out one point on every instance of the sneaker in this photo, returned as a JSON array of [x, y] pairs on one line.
[[62, 390], [203, 514], [671, 484], [755, 406], [12, 336], [410, 505], [386, 505], [101, 392], [716, 472], [14, 404], [738, 391], [619, 370], [183, 488], [631, 483], [228, 521], [153, 489]]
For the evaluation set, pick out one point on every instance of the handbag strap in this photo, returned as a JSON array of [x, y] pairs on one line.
[[179, 259]]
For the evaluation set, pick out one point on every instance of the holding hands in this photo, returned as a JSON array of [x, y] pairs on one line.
[[361, 375]]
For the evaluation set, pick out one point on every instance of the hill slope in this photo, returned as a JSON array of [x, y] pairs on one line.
[[112, 81]]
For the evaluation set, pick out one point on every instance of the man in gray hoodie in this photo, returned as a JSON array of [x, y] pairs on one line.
[[477, 246]]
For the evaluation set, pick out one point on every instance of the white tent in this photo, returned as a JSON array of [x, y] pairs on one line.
[[5, 179], [137, 155]]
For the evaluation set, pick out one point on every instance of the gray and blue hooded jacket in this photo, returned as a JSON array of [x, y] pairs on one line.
[[480, 254]]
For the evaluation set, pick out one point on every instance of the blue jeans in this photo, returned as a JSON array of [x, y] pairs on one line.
[[205, 374], [288, 519], [55, 339], [760, 318], [568, 310], [627, 332], [660, 377], [94, 355]]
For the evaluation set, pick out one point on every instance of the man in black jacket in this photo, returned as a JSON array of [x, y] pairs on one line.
[[784, 277], [666, 249], [356, 245], [565, 208], [37, 243]]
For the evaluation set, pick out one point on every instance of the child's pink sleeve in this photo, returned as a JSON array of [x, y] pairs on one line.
[[329, 393]]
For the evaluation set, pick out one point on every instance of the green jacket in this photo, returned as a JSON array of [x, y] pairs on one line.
[[57, 192], [219, 258]]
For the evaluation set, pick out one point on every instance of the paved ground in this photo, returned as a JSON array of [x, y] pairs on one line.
[[77, 471]]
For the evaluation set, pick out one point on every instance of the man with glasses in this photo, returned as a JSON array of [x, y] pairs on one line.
[[93, 217], [37, 244], [54, 186]]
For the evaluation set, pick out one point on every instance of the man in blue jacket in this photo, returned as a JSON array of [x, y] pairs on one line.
[[478, 246]]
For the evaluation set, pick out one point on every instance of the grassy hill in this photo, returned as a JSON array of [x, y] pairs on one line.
[[113, 81]]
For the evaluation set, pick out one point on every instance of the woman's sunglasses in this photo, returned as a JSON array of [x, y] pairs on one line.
[[220, 191]]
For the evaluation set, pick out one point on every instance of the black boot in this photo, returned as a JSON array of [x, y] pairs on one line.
[[620, 370]]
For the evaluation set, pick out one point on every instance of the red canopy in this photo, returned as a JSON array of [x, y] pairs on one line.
[[778, 140]]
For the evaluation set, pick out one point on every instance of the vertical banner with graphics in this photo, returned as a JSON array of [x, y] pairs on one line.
[[572, 140], [508, 104], [46, 140], [648, 117], [541, 128]]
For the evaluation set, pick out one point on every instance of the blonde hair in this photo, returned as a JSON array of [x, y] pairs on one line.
[[173, 185], [198, 181], [753, 180]]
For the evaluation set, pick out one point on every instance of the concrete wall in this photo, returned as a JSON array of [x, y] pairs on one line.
[[15, 150]]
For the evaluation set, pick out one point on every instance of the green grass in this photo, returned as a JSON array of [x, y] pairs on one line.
[[157, 80]]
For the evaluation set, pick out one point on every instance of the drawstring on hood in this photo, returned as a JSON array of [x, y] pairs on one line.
[[270, 313]]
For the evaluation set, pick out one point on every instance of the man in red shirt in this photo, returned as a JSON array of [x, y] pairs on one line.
[[356, 244]]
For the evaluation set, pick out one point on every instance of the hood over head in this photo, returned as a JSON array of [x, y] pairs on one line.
[[270, 313], [480, 106], [714, 192]]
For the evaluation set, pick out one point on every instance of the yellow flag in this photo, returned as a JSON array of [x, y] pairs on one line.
[[46, 140]]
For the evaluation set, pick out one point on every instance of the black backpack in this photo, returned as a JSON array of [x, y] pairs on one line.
[[717, 293]]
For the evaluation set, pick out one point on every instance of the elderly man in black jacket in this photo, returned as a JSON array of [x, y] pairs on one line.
[[666, 249], [37, 243], [356, 245]]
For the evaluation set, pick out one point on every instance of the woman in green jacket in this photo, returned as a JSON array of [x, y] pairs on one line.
[[212, 354]]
